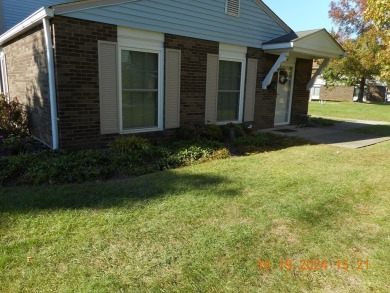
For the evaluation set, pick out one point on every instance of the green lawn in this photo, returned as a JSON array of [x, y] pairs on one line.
[[203, 228], [364, 111]]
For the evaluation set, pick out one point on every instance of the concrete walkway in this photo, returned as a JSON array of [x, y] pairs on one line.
[[338, 135]]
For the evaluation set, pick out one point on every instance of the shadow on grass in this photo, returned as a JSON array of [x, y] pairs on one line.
[[374, 130], [323, 211], [124, 193]]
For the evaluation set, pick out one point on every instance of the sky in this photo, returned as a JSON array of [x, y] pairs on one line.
[[302, 15]]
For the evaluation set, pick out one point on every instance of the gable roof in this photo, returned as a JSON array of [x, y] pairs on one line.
[[308, 44], [85, 4], [201, 19]]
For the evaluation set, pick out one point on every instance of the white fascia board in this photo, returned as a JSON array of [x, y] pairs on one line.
[[278, 46], [31, 21], [318, 53], [82, 5], [273, 15]]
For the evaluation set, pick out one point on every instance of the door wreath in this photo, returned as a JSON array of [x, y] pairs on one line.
[[283, 76]]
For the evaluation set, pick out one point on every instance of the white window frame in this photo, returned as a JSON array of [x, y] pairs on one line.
[[236, 54], [312, 92], [148, 42], [4, 77]]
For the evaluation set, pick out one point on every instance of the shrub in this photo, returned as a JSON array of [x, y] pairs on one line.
[[190, 132], [220, 154], [320, 122], [258, 140], [12, 145], [129, 145], [232, 131], [13, 119], [212, 132], [70, 167], [189, 152], [56, 167], [201, 132]]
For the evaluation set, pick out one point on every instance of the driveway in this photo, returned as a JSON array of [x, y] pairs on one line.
[[339, 134]]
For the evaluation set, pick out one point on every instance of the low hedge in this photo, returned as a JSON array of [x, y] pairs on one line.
[[130, 156]]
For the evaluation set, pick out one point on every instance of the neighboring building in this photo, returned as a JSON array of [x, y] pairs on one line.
[[88, 71], [374, 92]]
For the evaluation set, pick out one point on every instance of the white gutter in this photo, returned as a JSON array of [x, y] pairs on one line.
[[278, 46], [268, 78], [52, 83], [26, 24]]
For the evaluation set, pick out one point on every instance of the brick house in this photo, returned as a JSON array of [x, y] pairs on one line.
[[88, 71]]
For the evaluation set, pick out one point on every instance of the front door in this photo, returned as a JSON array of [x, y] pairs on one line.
[[284, 95]]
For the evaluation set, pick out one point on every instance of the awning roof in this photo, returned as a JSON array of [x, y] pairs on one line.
[[306, 44]]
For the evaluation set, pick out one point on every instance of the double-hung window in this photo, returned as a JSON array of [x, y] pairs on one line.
[[231, 82], [229, 90], [140, 89], [141, 80]]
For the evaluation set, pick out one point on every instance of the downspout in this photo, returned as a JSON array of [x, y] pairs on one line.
[[52, 82]]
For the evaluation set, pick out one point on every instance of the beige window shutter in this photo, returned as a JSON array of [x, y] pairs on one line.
[[250, 90], [172, 88], [108, 87], [212, 88]]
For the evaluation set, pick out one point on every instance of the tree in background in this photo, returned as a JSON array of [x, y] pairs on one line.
[[360, 40], [378, 11]]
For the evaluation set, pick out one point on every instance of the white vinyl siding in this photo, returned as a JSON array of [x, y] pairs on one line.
[[108, 87], [141, 79], [250, 90], [172, 88]]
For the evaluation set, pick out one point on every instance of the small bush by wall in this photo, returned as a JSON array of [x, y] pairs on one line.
[[13, 119]]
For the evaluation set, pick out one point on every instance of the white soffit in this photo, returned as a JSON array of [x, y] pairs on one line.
[[315, 44]]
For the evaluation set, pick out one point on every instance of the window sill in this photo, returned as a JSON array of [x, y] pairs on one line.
[[140, 130], [228, 122]]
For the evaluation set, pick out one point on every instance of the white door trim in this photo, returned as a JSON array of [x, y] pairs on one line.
[[291, 94]]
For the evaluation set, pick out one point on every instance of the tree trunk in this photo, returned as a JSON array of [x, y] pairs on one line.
[[361, 90]]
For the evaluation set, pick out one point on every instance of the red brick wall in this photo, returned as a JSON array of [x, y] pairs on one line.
[[76, 60], [339, 93], [345, 93], [28, 80], [193, 75], [265, 99], [300, 100]]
